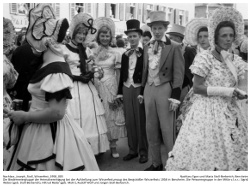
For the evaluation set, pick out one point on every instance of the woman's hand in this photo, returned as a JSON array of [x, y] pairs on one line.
[[18, 117], [240, 94]]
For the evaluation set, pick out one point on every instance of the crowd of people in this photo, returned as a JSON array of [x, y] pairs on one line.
[[70, 97]]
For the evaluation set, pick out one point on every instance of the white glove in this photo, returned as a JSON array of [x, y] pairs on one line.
[[220, 91]]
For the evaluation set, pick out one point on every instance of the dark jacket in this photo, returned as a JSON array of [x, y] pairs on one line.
[[22, 59], [171, 67], [124, 73], [189, 55]]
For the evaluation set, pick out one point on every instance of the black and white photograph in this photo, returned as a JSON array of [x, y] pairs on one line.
[[119, 88]]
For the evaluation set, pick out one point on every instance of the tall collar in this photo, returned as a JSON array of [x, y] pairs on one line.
[[164, 39], [217, 53]]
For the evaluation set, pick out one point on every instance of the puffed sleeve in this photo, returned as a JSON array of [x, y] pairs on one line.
[[241, 66], [57, 86], [201, 65]]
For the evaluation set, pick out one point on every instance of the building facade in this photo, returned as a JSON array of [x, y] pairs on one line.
[[119, 12]]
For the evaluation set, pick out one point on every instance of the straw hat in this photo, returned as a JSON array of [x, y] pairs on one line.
[[177, 30], [43, 25], [192, 28], [103, 21], [157, 16], [226, 14], [87, 21]]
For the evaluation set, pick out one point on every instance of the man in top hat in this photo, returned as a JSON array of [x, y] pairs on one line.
[[163, 73], [176, 34], [129, 90]]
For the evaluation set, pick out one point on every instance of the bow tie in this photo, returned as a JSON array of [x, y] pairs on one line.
[[131, 51], [158, 43]]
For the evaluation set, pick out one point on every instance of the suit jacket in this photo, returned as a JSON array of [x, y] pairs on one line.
[[171, 67], [124, 73], [189, 55]]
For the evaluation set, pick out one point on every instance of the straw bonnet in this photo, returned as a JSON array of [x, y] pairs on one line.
[[177, 30], [157, 16], [43, 25], [145, 28], [133, 25], [192, 28], [8, 36], [103, 21], [87, 21], [226, 14]]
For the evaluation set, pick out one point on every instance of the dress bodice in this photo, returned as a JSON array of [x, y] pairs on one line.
[[109, 61], [215, 72]]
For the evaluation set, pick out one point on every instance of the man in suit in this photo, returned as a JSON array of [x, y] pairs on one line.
[[163, 73], [129, 90], [176, 34]]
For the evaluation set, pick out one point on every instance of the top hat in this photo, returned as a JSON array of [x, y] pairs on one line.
[[157, 16], [177, 30], [133, 25]]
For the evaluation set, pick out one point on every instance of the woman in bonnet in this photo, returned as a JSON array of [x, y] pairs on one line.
[[86, 106], [50, 140], [196, 35], [214, 133], [109, 60]]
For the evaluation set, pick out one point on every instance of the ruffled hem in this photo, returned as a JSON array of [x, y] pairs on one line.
[[215, 140], [99, 144], [38, 151], [116, 132], [59, 95]]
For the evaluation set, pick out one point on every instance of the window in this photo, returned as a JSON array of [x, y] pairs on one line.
[[76, 8], [20, 8], [88, 8], [132, 12], [113, 10]]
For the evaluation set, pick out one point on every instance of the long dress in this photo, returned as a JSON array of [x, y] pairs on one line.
[[9, 79], [107, 87], [214, 135], [56, 146], [87, 108]]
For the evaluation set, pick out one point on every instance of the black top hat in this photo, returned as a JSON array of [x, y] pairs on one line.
[[133, 25]]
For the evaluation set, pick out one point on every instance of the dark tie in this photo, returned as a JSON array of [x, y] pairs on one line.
[[158, 43], [131, 51]]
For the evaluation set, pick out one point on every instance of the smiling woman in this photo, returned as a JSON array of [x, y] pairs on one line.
[[109, 60]]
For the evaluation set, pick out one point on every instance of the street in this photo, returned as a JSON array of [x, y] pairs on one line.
[[107, 163]]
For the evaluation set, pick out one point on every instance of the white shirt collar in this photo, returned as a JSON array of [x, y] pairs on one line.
[[163, 39]]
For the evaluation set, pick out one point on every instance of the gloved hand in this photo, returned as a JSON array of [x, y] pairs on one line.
[[83, 78], [220, 91]]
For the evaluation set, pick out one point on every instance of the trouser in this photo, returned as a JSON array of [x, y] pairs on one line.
[[135, 121], [159, 120]]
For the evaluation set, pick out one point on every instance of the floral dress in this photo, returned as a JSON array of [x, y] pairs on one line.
[[214, 134], [9, 79], [107, 87]]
